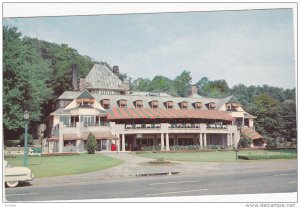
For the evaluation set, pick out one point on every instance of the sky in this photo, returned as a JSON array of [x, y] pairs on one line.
[[251, 47]]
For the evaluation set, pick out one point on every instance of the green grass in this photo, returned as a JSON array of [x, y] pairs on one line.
[[218, 156], [269, 154], [65, 165]]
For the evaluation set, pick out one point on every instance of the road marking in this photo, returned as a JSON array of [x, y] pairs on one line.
[[176, 192], [173, 182], [22, 194], [292, 182], [285, 174]]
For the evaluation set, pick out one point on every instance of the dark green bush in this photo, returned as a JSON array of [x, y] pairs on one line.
[[91, 144], [29, 139]]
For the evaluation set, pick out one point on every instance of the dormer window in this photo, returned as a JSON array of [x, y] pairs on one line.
[[197, 105], [169, 104], [138, 103], [105, 103], [232, 106], [211, 106], [183, 105], [153, 104], [122, 103]]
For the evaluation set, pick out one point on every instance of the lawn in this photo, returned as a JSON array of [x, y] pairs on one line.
[[217, 156], [65, 165]]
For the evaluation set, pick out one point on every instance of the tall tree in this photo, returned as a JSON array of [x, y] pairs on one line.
[[215, 88], [288, 114], [25, 77], [268, 122], [182, 83]]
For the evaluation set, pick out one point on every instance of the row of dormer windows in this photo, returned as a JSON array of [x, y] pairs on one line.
[[122, 103]]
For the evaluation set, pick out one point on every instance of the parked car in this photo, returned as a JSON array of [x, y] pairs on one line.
[[14, 175]]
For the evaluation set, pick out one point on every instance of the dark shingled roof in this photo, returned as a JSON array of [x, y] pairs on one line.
[[102, 77]]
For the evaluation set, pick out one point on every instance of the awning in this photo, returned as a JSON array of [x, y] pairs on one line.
[[53, 138], [68, 137], [100, 135], [148, 113], [250, 133]]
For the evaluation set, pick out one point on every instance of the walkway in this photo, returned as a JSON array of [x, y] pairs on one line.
[[133, 166]]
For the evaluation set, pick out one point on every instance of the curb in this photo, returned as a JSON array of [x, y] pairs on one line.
[[155, 174]]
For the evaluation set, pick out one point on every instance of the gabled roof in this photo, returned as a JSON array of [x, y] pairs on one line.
[[250, 133], [102, 77], [85, 94], [229, 99]]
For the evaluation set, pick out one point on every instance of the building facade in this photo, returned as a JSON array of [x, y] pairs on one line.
[[125, 120]]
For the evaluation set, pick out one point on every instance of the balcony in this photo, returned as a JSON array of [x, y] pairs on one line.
[[142, 126]]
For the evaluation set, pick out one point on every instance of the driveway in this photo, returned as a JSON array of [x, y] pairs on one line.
[[133, 167]]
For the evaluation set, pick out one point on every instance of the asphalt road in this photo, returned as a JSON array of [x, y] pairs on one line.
[[161, 186]]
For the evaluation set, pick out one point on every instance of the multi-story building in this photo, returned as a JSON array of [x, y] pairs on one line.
[[127, 120]]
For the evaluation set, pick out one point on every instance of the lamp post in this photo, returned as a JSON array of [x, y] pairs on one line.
[[26, 118]]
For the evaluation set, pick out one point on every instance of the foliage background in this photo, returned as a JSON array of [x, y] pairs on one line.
[[36, 72]]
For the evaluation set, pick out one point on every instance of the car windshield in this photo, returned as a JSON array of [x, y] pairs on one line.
[[7, 165]]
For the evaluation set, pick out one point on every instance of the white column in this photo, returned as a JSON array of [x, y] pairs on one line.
[[118, 143], [228, 139], [205, 142], [60, 143], [162, 145], [231, 139], [123, 142], [167, 142], [200, 140], [134, 142]]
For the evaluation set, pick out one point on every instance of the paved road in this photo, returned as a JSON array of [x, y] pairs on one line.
[[162, 186], [132, 167], [194, 178]]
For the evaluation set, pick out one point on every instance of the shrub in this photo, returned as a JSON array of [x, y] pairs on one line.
[[245, 142], [91, 144], [29, 139], [159, 161]]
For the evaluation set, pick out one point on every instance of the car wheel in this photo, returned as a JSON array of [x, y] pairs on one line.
[[12, 184]]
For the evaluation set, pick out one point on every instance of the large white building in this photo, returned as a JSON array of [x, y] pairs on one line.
[[125, 120]]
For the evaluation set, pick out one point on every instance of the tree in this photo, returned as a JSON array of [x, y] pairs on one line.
[[215, 88], [269, 122], [25, 77], [182, 83], [288, 114], [91, 144], [141, 84]]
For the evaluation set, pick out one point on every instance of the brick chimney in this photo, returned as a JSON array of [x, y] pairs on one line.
[[116, 71], [126, 87], [74, 71], [81, 84], [193, 90]]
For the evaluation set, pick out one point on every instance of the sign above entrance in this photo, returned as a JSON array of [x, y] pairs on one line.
[[139, 136]]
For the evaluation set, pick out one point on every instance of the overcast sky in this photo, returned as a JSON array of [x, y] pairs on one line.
[[253, 47]]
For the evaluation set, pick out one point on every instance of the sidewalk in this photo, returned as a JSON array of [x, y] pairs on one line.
[[131, 167]]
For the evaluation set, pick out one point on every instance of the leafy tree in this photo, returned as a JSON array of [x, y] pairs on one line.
[[141, 84], [25, 77], [182, 83], [215, 89], [91, 144], [288, 115], [268, 122]]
